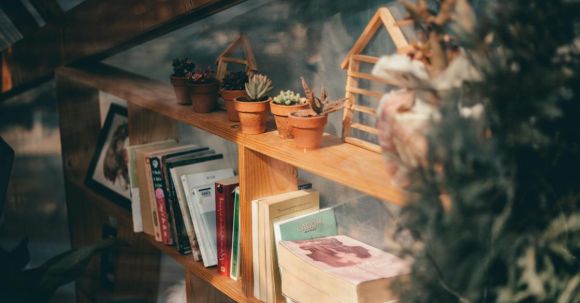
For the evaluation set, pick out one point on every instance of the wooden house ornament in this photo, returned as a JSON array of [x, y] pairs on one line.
[[226, 57], [383, 18]]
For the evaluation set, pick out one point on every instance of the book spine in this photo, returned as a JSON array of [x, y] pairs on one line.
[[152, 201], [160, 203], [222, 250], [181, 238], [234, 257]]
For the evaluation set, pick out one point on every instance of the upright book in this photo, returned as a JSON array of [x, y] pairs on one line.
[[235, 256], [200, 196], [270, 210], [149, 225], [179, 167], [224, 209], [338, 269]]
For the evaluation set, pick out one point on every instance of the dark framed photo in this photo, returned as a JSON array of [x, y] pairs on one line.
[[108, 174]]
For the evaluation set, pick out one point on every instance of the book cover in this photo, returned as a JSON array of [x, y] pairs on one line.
[[317, 224], [224, 199], [134, 179], [235, 256], [182, 166], [200, 196]]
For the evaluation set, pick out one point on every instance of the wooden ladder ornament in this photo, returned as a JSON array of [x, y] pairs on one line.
[[382, 18], [225, 57]]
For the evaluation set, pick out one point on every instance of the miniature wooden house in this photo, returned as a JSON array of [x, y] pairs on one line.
[[226, 57], [383, 18]]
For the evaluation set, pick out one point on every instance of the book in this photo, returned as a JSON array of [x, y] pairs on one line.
[[179, 167], [341, 268], [270, 210], [133, 179], [177, 224], [224, 209], [313, 225], [143, 186], [199, 192], [157, 192], [235, 256]]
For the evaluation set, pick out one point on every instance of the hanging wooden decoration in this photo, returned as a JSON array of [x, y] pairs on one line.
[[382, 19], [226, 57]]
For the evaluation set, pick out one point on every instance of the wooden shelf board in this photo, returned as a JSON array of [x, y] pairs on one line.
[[347, 164], [229, 287]]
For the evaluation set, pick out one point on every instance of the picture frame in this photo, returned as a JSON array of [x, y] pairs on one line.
[[108, 173]]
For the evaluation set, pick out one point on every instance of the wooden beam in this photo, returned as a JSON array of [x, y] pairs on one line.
[[97, 29], [20, 16], [49, 10]]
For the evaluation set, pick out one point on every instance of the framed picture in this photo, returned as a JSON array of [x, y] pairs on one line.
[[108, 174]]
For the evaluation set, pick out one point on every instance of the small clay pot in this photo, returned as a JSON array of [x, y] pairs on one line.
[[307, 130], [203, 96], [281, 113], [181, 90], [229, 96], [253, 115]]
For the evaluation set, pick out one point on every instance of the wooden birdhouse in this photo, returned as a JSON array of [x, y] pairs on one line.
[[226, 57], [383, 18]]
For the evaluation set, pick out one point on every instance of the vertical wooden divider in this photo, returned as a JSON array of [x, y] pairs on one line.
[[260, 176]]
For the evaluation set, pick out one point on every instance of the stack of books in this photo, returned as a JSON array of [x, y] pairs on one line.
[[187, 196]]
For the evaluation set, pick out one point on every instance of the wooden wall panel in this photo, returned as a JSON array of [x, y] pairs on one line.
[[260, 176], [147, 126]]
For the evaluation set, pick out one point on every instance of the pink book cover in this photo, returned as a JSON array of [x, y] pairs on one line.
[[348, 259]]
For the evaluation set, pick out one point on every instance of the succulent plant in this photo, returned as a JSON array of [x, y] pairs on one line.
[[182, 66], [234, 81], [287, 98], [319, 106], [201, 76], [258, 87]]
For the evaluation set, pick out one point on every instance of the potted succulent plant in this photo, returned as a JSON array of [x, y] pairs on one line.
[[203, 90], [233, 87], [180, 68], [308, 124], [253, 108], [281, 106]]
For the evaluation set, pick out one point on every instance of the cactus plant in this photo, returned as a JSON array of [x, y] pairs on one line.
[[258, 88], [287, 98]]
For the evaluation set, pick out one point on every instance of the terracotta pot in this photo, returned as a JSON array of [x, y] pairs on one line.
[[281, 113], [203, 96], [307, 130], [253, 115], [181, 90], [229, 96]]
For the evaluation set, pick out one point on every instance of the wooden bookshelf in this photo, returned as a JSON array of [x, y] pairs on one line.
[[343, 163], [267, 164]]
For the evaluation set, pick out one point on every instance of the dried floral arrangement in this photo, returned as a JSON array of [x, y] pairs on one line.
[[496, 217]]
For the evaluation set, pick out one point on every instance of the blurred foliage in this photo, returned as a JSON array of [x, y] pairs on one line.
[[21, 284], [511, 232]]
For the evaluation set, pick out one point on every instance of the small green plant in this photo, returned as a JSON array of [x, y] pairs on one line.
[[288, 98], [201, 76], [258, 87], [234, 81], [182, 66]]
